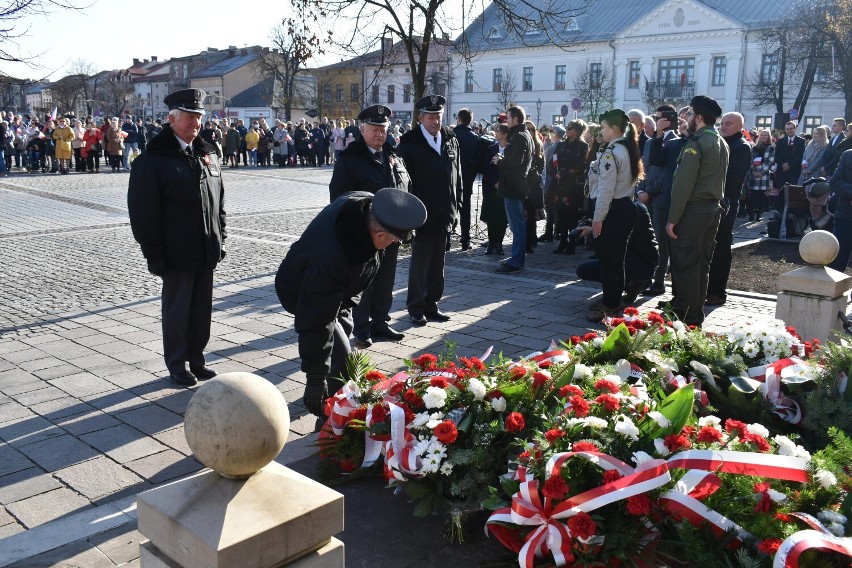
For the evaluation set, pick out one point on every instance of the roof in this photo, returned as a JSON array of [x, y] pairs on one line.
[[225, 66], [397, 55], [602, 20], [258, 95]]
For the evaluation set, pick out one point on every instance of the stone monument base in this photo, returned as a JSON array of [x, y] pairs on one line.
[[276, 517], [810, 299]]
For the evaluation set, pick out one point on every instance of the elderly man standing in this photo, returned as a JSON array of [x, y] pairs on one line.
[[431, 154], [699, 185], [177, 214], [731, 129], [369, 164]]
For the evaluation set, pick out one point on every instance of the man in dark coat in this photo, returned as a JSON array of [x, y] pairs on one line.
[[333, 261], [471, 148], [431, 155], [789, 152], [515, 165], [370, 164], [177, 214], [739, 163]]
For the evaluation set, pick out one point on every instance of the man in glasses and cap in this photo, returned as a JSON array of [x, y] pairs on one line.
[[369, 164], [335, 260], [176, 205]]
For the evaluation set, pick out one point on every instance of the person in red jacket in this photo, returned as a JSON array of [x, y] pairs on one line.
[[92, 145]]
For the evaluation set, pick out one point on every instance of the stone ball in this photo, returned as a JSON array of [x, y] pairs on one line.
[[819, 248], [236, 423]]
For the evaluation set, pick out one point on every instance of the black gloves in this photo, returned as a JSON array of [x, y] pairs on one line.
[[315, 394]]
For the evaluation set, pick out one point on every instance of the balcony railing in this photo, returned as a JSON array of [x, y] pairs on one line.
[[675, 90]]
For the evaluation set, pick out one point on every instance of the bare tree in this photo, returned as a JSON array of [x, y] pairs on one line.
[[86, 79], [12, 12], [419, 24], [65, 94], [595, 87], [292, 46], [505, 91], [116, 95]]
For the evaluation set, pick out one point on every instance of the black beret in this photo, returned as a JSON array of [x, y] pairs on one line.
[[614, 117], [189, 100], [398, 211], [431, 103], [375, 114], [705, 103]]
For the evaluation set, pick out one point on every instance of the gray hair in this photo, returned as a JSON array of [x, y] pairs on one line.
[[636, 113]]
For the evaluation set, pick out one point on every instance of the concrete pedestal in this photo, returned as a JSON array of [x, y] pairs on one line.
[[810, 299], [275, 518]]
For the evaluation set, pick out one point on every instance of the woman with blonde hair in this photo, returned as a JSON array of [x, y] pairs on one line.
[[814, 152]]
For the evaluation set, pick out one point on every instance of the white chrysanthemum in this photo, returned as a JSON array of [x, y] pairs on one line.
[[641, 457], [498, 404], [430, 464], [776, 496], [713, 421], [661, 420], [420, 419], [598, 341], [421, 447], [571, 422], [447, 468], [582, 372], [433, 423], [436, 448], [759, 429], [660, 447], [825, 478], [802, 453], [626, 427], [435, 397], [751, 349], [476, 388], [595, 422], [786, 446]]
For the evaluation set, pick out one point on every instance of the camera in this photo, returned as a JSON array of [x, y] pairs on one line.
[[671, 116], [575, 235]]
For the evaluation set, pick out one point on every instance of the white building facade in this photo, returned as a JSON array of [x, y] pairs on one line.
[[651, 49]]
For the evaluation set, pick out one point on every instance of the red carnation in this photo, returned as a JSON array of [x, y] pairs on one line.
[[605, 385], [759, 441], [409, 414], [736, 427], [412, 398], [425, 361], [570, 390], [347, 465], [584, 447], [374, 376], [580, 406], [675, 442], [359, 413], [582, 526], [688, 431], [631, 311], [553, 434], [591, 336], [540, 379], [576, 339], [611, 475], [380, 413], [546, 364], [655, 317], [517, 372], [769, 546], [439, 382], [496, 393], [515, 422], [783, 517], [609, 402], [446, 432], [639, 505], [396, 389], [708, 435], [555, 488], [615, 322]]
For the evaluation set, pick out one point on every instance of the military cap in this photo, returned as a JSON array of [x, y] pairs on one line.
[[189, 100], [706, 103], [375, 114], [431, 104], [398, 211], [615, 117]]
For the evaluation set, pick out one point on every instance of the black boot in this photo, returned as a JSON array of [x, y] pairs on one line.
[[563, 244], [547, 237], [489, 249]]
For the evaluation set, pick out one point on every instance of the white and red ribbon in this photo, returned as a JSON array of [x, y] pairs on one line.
[[794, 545], [771, 378]]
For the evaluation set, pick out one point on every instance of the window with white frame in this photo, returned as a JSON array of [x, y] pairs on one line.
[[528, 78], [720, 68], [497, 80], [559, 79], [633, 74], [809, 123]]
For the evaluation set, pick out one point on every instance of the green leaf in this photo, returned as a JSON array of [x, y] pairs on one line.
[[617, 344], [677, 407], [424, 507], [513, 390], [466, 423], [564, 377]]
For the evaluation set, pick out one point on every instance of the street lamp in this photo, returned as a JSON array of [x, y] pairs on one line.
[[538, 112]]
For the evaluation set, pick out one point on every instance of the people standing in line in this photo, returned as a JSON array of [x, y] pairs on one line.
[[177, 213], [338, 134], [370, 164], [232, 146], [334, 260], [131, 141], [252, 139], [759, 178], [281, 144], [569, 180], [618, 170], [739, 162], [77, 146], [142, 135], [242, 153], [93, 139], [470, 148], [841, 184], [493, 211], [431, 156], [115, 144], [513, 186], [63, 137], [699, 185]]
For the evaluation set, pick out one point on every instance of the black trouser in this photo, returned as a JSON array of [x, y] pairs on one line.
[[464, 208], [426, 271], [115, 161], [756, 203], [532, 235], [186, 306], [377, 299], [659, 220], [720, 266], [635, 269], [611, 247], [79, 162], [93, 161]]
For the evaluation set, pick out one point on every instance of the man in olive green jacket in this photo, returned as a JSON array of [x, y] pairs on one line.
[[699, 184]]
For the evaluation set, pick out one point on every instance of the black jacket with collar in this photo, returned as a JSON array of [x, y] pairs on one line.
[[516, 164], [739, 163], [435, 179], [324, 272], [357, 170], [176, 204]]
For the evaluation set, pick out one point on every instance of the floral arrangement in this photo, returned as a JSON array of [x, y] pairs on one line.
[[647, 444]]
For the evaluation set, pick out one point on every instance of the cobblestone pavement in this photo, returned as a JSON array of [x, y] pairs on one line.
[[87, 419]]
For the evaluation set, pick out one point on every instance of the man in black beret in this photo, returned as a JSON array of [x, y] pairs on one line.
[[335, 260], [431, 154], [695, 211], [369, 164], [176, 204]]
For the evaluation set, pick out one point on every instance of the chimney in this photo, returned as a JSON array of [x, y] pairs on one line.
[[136, 61], [243, 51], [212, 49], [153, 58]]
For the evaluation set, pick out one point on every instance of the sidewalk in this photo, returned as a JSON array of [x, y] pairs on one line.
[[88, 420]]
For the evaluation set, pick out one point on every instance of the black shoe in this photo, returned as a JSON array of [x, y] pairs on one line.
[[654, 290], [386, 331], [508, 269], [530, 249], [184, 378], [437, 315], [203, 373], [418, 319], [499, 250], [363, 342], [561, 248], [489, 249], [466, 246], [546, 238]]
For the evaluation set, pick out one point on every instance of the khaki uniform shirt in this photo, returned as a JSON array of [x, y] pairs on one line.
[[700, 174]]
